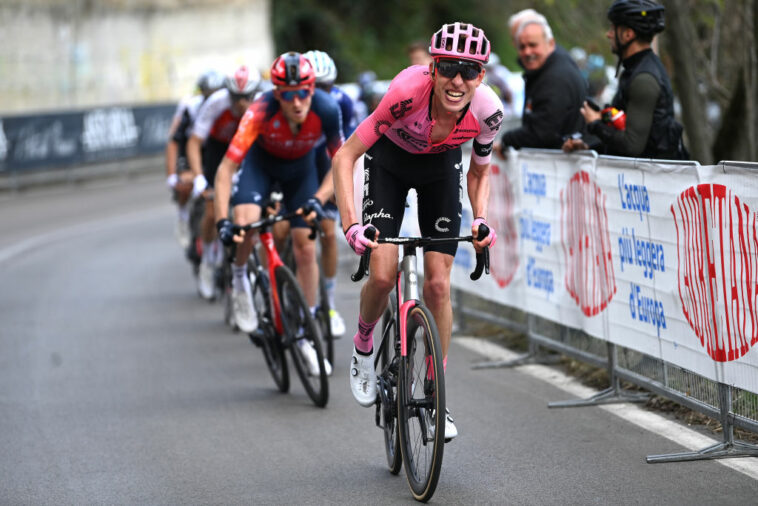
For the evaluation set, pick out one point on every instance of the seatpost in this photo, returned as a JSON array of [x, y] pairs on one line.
[[410, 288]]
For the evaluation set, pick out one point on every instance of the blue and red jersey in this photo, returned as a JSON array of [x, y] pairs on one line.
[[265, 124]]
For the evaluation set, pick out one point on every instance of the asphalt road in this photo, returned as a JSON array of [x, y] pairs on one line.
[[118, 385]]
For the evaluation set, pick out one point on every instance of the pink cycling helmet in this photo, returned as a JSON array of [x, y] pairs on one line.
[[460, 40]]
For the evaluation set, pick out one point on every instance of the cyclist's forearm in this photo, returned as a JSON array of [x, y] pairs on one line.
[[194, 156], [172, 150], [478, 182], [342, 172], [326, 190], [222, 187]]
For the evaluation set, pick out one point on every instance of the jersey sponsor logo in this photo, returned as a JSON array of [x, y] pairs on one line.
[[399, 109], [467, 130], [438, 225], [368, 218], [495, 120], [378, 130], [367, 203], [413, 141], [442, 147], [482, 149]]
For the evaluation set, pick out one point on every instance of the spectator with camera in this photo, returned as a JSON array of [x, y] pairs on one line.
[[644, 99]]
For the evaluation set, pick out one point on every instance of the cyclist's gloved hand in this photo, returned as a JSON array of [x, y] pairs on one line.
[[475, 230], [171, 180], [225, 231], [199, 185], [313, 206], [356, 238]]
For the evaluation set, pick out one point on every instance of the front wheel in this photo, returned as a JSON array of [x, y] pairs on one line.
[[421, 404], [266, 335], [387, 374], [303, 337], [323, 319]]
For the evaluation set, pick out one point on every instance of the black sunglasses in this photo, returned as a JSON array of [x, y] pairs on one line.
[[450, 68], [236, 97]]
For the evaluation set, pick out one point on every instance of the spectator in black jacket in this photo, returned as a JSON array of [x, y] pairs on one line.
[[554, 90], [644, 93]]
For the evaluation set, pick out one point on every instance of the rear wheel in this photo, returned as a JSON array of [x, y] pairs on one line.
[[324, 319], [421, 404], [387, 374], [299, 325], [266, 335]]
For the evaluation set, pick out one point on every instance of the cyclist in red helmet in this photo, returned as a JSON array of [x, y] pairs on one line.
[[275, 144], [413, 139]]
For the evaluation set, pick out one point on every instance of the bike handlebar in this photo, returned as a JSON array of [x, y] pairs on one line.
[[482, 258], [271, 220]]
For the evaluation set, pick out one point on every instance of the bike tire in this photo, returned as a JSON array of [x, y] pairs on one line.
[[420, 409], [271, 343], [390, 361], [299, 324], [324, 319]]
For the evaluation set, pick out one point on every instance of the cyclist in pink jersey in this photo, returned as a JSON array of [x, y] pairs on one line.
[[413, 140]]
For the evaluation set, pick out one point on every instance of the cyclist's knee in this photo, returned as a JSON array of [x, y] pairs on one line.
[[305, 252], [436, 290]]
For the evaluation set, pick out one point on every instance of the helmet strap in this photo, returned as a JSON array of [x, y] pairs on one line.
[[621, 48]]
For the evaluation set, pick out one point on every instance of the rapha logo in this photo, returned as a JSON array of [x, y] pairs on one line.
[[367, 203], [438, 225], [495, 120], [368, 218], [399, 109]]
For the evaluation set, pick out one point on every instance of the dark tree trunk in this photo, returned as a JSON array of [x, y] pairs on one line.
[[680, 38]]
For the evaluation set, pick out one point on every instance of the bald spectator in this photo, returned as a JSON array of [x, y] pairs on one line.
[[554, 87], [418, 53]]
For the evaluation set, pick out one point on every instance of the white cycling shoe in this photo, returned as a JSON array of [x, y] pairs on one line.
[[242, 308], [451, 431], [336, 323], [205, 281], [311, 358], [363, 378]]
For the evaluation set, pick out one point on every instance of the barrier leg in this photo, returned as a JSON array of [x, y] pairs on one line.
[[532, 356], [725, 449], [611, 395]]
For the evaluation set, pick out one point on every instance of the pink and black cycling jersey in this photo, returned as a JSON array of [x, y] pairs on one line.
[[404, 117]]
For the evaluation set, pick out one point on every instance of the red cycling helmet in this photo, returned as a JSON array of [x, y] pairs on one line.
[[292, 69], [463, 41]]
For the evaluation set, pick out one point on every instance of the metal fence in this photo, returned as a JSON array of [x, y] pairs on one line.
[[732, 406]]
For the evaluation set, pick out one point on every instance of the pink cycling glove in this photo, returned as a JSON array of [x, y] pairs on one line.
[[492, 235], [356, 238]]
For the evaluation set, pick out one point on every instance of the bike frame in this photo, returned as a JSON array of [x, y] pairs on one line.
[[273, 260]]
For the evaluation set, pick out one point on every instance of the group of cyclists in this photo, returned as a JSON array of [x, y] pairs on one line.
[[234, 143]]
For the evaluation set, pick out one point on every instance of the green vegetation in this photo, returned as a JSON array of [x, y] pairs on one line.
[[362, 35]]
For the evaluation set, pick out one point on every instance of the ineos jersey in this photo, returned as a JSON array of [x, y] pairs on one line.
[[265, 124], [404, 116], [216, 119]]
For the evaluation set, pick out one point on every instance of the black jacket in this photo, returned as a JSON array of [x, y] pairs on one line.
[[553, 96], [645, 94]]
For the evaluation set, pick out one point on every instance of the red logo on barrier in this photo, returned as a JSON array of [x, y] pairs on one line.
[[717, 248], [584, 233], [504, 258]]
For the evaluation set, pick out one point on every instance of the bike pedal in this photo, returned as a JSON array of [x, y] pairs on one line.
[[256, 338]]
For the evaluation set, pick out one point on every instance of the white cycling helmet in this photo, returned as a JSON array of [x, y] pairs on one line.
[[244, 81], [326, 70]]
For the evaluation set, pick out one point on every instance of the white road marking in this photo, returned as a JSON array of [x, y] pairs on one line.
[[632, 413]]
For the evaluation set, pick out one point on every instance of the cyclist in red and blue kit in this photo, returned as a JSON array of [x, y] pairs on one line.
[[412, 140], [274, 144]]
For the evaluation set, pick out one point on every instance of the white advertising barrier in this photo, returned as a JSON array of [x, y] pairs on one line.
[[654, 256]]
